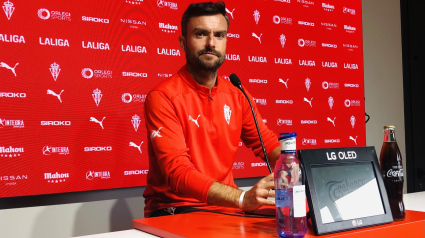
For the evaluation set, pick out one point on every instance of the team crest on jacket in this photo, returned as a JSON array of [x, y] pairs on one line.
[[227, 113]]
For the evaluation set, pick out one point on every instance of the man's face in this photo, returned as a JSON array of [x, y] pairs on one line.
[[205, 42]]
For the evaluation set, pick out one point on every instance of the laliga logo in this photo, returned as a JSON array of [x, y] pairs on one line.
[[43, 13], [8, 9], [89, 75]]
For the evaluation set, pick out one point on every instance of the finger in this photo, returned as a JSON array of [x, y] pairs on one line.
[[263, 201], [268, 178], [267, 185]]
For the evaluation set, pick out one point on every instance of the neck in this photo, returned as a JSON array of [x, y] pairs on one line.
[[203, 77]]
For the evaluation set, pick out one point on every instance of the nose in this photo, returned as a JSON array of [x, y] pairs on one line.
[[210, 44]]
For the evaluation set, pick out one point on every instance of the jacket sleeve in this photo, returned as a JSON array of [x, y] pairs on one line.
[[249, 133], [168, 142]]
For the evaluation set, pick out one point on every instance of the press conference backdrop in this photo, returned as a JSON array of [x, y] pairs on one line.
[[75, 74]]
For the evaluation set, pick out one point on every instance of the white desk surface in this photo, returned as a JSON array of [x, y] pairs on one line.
[[412, 201]]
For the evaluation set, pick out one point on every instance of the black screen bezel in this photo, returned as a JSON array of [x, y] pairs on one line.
[[318, 157]]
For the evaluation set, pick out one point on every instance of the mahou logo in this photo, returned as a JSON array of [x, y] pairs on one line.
[[168, 28], [11, 151], [8, 9], [48, 150], [349, 29], [46, 14], [56, 177], [11, 123], [134, 2]]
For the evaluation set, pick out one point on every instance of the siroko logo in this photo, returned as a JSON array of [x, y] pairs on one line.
[[258, 80], [97, 73], [305, 23], [48, 150], [309, 141], [232, 35], [351, 85], [8, 9], [135, 74], [98, 149], [128, 98], [287, 122], [307, 43], [46, 14], [135, 172], [56, 177], [12, 38], [327, 45], [282, 20], [332, 141], [12, 95], [349, 10], [90, 175], [308, 122], [171, 5], [168, 28], [11, 151], [95, 19], [258, 164], [352, 103], [11, 123], [55, 123], [330, 85], [284, 102]]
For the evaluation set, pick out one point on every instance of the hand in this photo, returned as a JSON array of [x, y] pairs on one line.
[[295, 176], [257, 195]]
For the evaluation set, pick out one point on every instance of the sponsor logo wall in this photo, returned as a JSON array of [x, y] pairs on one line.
[[74, 79]]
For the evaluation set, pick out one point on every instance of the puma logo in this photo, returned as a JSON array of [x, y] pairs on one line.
[[137, 146], [55, 94], [286, 83], [333, 121], [196, 121], [355, 140], [309, 101], [258, 37], [97, 121], [230, 12], [8, 67]]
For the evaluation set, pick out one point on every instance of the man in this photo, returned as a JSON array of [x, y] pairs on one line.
[[195, 120]]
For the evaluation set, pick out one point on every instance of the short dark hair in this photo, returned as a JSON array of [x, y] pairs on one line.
[[203, 9]]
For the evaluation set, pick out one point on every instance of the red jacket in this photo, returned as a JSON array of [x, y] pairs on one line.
[[193, 138]]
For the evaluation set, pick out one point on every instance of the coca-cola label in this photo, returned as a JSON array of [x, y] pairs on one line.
[[395, 173]]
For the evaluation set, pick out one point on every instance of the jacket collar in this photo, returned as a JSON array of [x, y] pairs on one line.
[[189, 80]]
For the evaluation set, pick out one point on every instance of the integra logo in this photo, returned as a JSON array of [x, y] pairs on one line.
[[104, 148], [95, 19], [55, 123], [349, 11], [11, 123], [260, 101], [284, 122], [135, 172], [309, 141]]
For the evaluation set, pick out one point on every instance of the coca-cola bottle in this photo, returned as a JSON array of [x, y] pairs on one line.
[[392, 173]]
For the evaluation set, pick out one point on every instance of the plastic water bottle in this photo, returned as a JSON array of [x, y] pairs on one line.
[[291, 220]]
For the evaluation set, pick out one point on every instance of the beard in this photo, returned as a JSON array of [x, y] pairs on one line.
[[197, 63]]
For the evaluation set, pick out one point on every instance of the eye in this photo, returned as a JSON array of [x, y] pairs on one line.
[[199, 34]]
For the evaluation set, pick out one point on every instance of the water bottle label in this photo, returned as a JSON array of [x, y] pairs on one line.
[[283, 198], [288, 144], [299, 201]]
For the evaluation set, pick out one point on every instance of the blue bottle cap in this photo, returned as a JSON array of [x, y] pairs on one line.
[[287, 135]]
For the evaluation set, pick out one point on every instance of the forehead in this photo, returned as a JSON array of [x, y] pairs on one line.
[[213, 22]]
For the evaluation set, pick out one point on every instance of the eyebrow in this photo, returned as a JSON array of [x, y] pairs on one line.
[[205, 30]]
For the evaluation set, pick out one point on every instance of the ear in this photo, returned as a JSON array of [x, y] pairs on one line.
[[182, 41]]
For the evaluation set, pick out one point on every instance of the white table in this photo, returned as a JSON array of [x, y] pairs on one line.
[[412, 201]]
